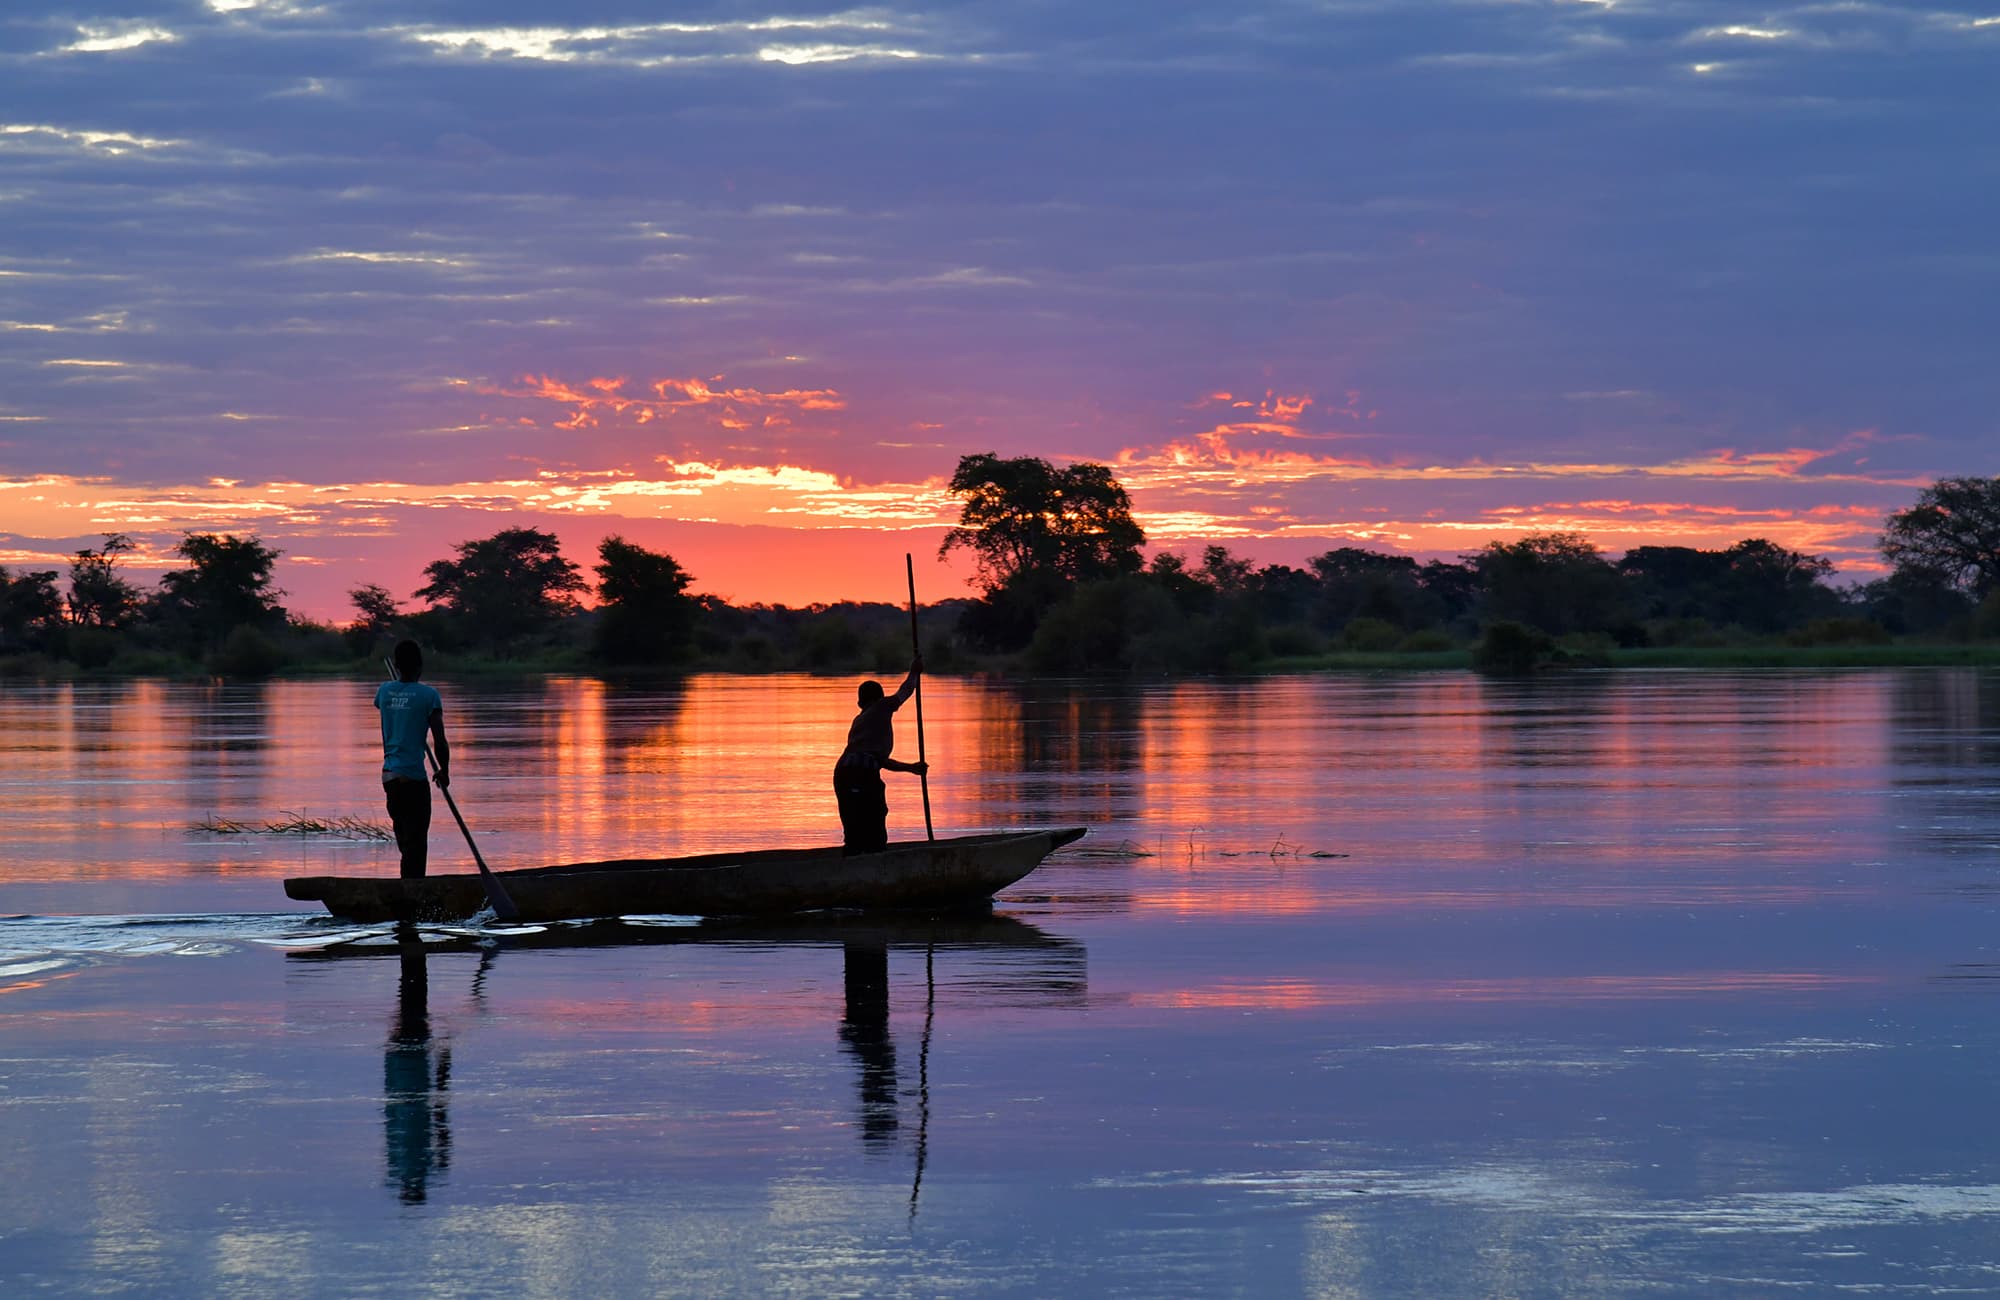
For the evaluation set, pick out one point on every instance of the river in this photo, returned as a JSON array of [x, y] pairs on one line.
[[1360, 985]]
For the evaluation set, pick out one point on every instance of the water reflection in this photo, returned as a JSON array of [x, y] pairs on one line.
[[864, 1034], [1945, 727], [228, 735], [416, 1074], [980, 960]]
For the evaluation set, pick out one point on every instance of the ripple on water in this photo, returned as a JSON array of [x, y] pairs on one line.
[[39, 944]]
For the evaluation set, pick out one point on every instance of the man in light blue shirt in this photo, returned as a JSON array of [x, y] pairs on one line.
[[410, 712]]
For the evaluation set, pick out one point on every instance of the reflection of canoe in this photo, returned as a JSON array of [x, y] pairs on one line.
[[918, 873], [963, 929], [982, 958]]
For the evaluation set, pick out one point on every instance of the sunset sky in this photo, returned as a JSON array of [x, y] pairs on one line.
[[742, 282]]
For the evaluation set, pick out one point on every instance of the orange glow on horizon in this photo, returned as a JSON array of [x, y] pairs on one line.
[[1246, 481]]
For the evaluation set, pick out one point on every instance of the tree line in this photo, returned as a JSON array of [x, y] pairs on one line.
[[1065, 587]]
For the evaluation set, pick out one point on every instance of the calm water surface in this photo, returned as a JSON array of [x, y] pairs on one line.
[[1636, 983]]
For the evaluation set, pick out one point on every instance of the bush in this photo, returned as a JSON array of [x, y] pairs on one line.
[[1510, 647], [90, 647], [1294, 642], [1370, 634], [246, 652], [832, 642], [1427, 640], [149, 662], [940, 654], [1986, 619], [890, 654], [1696, 632], [1111, 626], [309, 642], [754, 653], [1592, 649], [1840, 631]]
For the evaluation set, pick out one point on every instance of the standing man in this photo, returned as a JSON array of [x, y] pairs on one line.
[[857, 777], [410, 711]]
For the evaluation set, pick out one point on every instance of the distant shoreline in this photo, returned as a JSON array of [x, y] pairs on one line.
[[1975, 654]]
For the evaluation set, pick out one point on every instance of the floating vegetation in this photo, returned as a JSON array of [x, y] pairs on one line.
[[298, 823], [1280, 848], [1122, 850], [1193, 849]]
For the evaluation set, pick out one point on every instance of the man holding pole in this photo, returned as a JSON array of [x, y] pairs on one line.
[[857, 777], [410, 711]]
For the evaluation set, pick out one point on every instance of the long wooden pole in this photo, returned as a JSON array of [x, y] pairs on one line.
[[917, 649], [496, 893]]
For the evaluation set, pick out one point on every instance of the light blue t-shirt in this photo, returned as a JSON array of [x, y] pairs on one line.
[[406, 718]]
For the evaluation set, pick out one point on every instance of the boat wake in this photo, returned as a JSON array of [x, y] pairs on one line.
[[36, 945]]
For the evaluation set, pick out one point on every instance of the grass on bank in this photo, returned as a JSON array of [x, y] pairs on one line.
[[1774, 655], [944, 660]]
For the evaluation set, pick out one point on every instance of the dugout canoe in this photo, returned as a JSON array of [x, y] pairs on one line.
[[938, 874]]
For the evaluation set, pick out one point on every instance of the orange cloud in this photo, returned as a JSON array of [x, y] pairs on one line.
[[604, 396]]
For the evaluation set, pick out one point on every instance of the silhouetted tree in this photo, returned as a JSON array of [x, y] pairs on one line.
[[1553, 581], [645, 614], [1284, 595], [1755, 584], [98, 597], [30, 610], [1227, 573], [378, 609], [1036, 531], [1358, 583], [1679, 582], [1452, 586], [1024, 515], [1767, 588], [504, 588], [1099, 627], [226, 585], [1952, 534], [1915, 601], [1170, 573]]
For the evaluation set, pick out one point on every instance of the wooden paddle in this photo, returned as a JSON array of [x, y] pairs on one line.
[[917, 649], [496, 894]]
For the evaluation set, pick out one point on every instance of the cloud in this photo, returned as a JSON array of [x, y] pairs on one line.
[[114, 35], [1570, 271], [43, 138]]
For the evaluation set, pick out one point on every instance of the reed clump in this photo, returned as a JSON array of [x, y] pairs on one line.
[[346, 826]]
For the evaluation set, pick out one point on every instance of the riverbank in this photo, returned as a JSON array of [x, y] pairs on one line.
[[1913, 655], [577, 664]]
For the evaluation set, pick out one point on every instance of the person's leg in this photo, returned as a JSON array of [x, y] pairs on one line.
[[878, 816], [853, 814], [410, 813], [399, 819], [420, 848]]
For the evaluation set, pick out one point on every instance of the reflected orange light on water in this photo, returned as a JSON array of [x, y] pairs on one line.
[[28, 986], [1298, 994], [1280, 796]]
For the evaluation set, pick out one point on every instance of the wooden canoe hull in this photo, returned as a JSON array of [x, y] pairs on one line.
[[944, 873]]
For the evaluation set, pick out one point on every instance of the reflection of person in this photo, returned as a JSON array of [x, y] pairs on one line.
[[410, 711], [857, 777], [415, 1126], [864, 1031]]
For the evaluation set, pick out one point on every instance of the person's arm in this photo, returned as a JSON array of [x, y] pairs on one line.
[[440, 749], [918, 768], [909, 686]]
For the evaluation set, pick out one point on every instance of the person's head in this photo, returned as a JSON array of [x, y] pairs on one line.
[[409, 658], [870, 693]]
